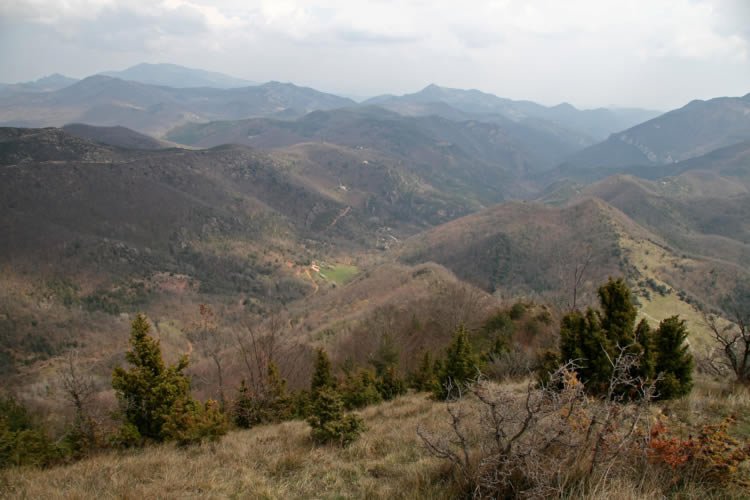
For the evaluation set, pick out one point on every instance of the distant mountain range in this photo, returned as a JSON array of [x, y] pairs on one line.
[[151, 109], [49, 83], [693, 130], [161, 101], [596, 124], [172, 75]]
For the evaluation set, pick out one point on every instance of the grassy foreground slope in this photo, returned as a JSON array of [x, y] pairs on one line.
[[388, 461], [275, 461]]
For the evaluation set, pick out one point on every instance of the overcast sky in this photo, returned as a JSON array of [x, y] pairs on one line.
[[649, 53]]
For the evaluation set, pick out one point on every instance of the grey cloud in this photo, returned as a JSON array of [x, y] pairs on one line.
[[734, 18], [125, 30]]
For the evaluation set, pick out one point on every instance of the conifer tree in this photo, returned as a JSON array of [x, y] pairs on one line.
[[243, 412], [360, 389], [155, 398], [385, 362], [459, 368], [674, 363], [277, 398], [595, 339], [424, 378], [585, 342], [148, 390], [644, 339], [322, 375], [329, 422], [618, 312]]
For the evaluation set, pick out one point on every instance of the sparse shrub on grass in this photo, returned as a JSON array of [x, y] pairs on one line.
[[423, 379], [510, 364], [360, 389], [389, 384], [126, 436], [272, 404], [518, 310], [191, 422], [329, 422], [22, 442], [712, 456]]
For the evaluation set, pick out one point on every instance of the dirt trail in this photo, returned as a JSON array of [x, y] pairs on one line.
[[312, 280], [339, 216]]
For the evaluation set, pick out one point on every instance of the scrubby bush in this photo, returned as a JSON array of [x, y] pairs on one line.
[[22, 442], [271, 403], [329, 422], [360, 389], [191, 422], [423, 379], [518, 310], [710, 456], [126, 436], [509, 364], [553, 441]]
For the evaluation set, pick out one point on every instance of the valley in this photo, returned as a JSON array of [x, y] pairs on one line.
[[286, 222]]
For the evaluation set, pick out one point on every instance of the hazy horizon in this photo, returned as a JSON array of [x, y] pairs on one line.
[[587, 53]]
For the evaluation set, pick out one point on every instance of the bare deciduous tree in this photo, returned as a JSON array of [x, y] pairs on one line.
[[733, 342], [259, 345], [572, 267], [79, 390], [211, 343]]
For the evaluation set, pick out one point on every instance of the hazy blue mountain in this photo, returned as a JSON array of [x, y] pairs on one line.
[[107, 101], [687, 132], [48, 83], [595, 123], [172, 75]]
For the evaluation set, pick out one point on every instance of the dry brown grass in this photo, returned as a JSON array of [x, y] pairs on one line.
[[276, 461], [388, 461]]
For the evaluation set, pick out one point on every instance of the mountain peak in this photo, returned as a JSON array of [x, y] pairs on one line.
[[174, 75], [432, 88]]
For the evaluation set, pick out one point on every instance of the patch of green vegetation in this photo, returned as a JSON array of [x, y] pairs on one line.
[[339, 273], [125, 298], [65, 290]]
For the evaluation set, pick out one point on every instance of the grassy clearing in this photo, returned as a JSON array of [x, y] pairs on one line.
[[650, 259], [339, 273], [275, 461]]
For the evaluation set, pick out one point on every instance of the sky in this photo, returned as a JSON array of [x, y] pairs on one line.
[[657, 54]]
